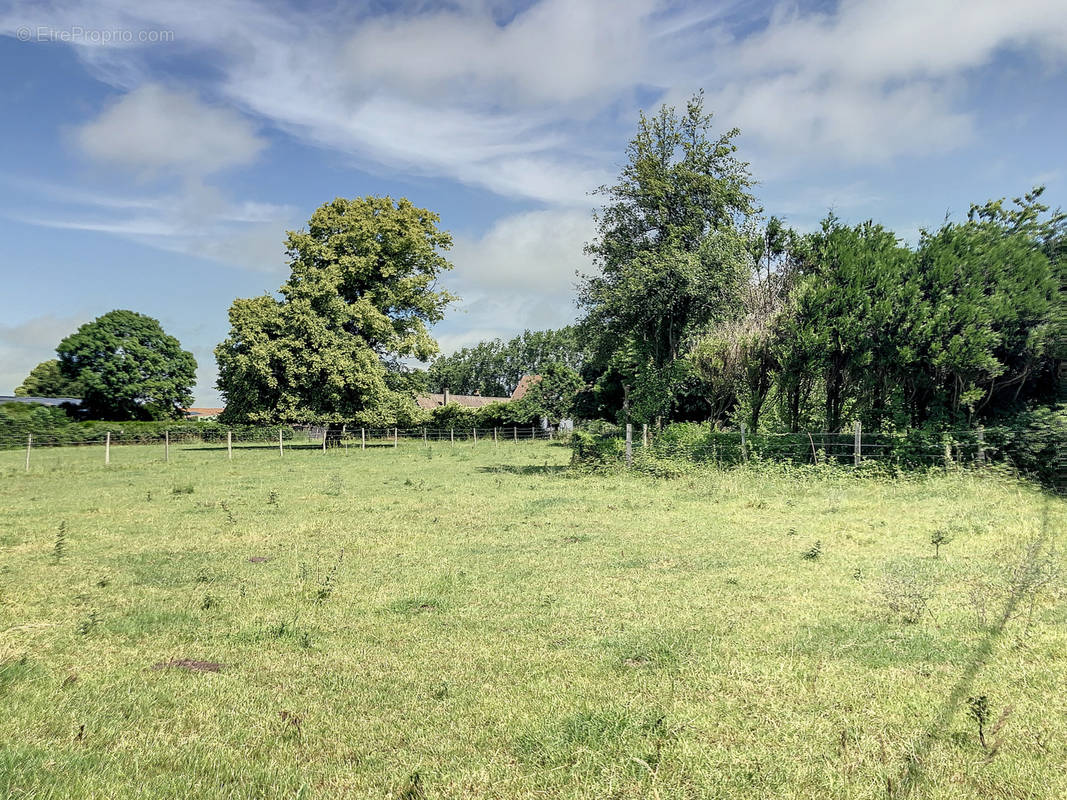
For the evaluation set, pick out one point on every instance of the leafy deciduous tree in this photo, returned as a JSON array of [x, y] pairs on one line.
[[360, 297], [46, 380], [128, 368]]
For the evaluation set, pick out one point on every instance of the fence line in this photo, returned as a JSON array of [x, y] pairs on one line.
[[1037, 452], [307, 438]]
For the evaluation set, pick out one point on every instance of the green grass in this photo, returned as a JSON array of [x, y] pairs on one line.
[[505, 628]]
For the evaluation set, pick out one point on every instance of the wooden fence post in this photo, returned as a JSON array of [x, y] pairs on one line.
[[981, 445], [325, 429], [494, 435], [644, 434], [424, 434], [229, 445], [532, 429], [744, 443], [452, 436], [857, 448], [107, 449], [629, 445], [394, 437], [281, 450], [515, 433], [362, 438], [29, 444], [475, 435], [166, 446]]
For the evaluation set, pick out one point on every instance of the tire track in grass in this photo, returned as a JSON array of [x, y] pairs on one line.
[[912, 772]]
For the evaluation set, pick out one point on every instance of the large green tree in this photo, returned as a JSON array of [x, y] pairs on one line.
[[360, 296], [671, 252], [47, 380], [128, 368]]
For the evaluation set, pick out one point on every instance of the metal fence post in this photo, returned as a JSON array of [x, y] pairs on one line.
[[29, 444], [229, 445], [744, 444], [981, 445], [857, 448], [107, 449], [629, 445]]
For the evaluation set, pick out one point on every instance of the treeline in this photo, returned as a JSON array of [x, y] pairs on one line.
[[849, 323], [698, 311], [494, 368]]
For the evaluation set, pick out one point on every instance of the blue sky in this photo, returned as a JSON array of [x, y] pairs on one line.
[[152, 154]]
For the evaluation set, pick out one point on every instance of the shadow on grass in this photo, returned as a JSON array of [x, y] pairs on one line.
[[302, 446], [912, 772], [527, 469]]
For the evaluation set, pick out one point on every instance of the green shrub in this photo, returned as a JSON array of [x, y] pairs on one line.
[[592, 450]]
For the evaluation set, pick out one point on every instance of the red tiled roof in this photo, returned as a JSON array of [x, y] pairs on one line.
[[202, 412], [524, 386]]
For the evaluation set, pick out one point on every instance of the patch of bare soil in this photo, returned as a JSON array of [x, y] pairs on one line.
[[190, 664]]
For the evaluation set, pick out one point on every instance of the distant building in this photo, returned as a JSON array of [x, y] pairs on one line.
[[428, 402], [202, 413]]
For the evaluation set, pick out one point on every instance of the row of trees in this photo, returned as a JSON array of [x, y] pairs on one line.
[[699, 308], [494, 368]]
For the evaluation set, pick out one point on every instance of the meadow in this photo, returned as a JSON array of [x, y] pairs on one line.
[[482, 622]]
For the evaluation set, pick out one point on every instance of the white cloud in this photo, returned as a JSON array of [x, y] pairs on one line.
[[197, 220], [538, 250], [519, 274], [512, 107], [153, 129]]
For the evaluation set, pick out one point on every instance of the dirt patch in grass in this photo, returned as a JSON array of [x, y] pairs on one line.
[[258, 559], [190, 664]]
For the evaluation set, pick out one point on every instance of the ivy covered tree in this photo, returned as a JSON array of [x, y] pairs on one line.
[[128, 368], [671, 253], [360, 297], [47, 380]]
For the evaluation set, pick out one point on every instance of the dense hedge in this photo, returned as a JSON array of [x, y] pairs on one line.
[[52, 426]]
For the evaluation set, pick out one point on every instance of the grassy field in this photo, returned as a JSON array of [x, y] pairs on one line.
[[503, 628]]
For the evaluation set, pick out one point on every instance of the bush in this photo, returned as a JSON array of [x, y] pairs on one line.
[[453, 415], [593, 450], [52, 426]]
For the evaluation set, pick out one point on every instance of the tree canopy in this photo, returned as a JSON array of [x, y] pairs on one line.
[[128, 368], [494, 368], [361, 294], [47, 380]]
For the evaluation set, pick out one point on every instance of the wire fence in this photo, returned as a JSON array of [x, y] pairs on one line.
[[280, 438], [1040, 452]]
